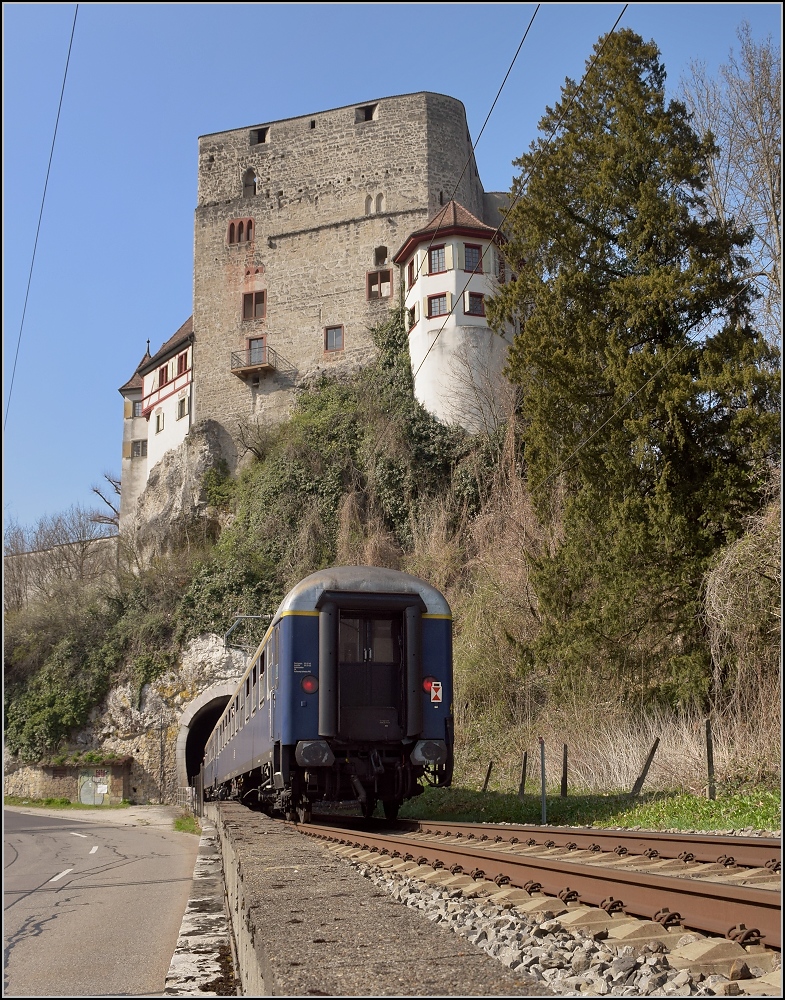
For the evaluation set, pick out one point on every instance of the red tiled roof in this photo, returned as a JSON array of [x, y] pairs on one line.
[[136, 380], [450, 219], [170, 346], [454, 216]]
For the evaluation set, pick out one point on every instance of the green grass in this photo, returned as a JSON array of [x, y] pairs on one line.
[[755, 808], [187, 823]]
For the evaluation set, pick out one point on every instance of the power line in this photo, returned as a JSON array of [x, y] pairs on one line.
[[40, 216], [455, 188], [522, 182]]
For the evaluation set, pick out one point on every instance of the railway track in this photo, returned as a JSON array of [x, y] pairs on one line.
[[723, 886]]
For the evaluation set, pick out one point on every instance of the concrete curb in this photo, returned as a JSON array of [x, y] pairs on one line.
[[202, 964]]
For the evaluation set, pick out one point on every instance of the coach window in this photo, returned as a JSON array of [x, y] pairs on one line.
[[254, 694], [261, 680], [247, 697]]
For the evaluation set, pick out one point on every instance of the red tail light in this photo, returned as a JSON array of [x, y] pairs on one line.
[[427, 683], [310, 684]]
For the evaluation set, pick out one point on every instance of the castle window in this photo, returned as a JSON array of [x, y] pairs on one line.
[[137, 408], [260, 135], [380, 256], [333, 338], [257, 353], [313, 123], [240, 231], [472, 258], [368, 205], [367, 113], [436, 260], [182, 363], [159, 422], [249, 183], [254, 305], [163, 375], [437, 305], [379, 203], [182, 407], [412, 316], [379, 284], [410, 276], [473, 304], [139, 448]]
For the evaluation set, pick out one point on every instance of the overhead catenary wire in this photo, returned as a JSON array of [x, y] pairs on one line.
[[514, 201], [460, 178], [521, 185], [40, 217]]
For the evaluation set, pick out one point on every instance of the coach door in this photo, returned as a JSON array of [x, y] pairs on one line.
[[371, 676]]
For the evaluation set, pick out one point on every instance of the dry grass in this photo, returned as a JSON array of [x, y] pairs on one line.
[[607, 745]]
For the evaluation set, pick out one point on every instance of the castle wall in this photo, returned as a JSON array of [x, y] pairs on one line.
[[332, 190]]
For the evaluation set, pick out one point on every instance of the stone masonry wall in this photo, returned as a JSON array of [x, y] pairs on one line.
[[314, 239]]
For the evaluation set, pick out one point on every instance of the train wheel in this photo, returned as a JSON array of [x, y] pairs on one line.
[[368, 806], [391, 807]]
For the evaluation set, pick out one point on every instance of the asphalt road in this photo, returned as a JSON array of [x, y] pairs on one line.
[[92, 903]]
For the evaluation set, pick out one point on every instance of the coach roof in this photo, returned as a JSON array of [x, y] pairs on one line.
[[361, 580]]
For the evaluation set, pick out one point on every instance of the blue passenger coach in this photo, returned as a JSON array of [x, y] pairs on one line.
[[349, 696]]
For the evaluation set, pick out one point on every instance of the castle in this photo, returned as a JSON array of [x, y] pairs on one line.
[[307, 232]]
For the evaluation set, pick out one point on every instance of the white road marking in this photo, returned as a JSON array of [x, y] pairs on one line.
[[94, 849], [78, 834], [61, 875]]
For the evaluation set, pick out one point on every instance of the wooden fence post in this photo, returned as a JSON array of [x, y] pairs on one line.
[[642, 777], [564, 773], [542, 779], [522, 786], [487, 777], [710, 760]]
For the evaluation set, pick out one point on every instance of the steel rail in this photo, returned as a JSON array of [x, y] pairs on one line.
[[711, 906], [747, 852]]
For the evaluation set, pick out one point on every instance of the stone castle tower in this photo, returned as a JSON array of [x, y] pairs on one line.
[[296, 226]]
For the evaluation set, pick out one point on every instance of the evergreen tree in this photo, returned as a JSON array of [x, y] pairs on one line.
[[649, 399]]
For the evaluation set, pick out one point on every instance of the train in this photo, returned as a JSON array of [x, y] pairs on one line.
[[347, 697]]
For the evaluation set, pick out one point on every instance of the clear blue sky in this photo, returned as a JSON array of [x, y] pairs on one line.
[[113, 265]]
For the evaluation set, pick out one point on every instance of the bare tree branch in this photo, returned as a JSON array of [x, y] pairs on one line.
[[741, 110]]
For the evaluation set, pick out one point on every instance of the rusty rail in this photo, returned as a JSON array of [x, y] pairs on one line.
[[705, 897], [747, 852]]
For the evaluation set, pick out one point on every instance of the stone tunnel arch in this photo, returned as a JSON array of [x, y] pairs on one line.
[[196, 724]]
